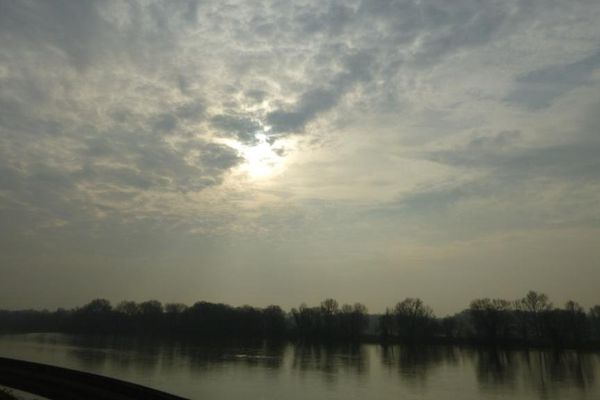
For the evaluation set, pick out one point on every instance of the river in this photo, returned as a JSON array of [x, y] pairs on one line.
[[289, 371]]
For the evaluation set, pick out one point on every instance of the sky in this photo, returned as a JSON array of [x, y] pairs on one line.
[[280, 152]]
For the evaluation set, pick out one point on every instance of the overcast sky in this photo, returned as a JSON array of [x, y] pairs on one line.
[[258, 152]]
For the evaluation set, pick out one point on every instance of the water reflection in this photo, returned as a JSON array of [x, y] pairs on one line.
[[549, 372], [495, 368], [276, 370], [102, 352], [207, 356], [148, 354], [542, 374], [330, 360], [415, 363]]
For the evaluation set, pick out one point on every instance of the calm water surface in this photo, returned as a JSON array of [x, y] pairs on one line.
[[290, 371]]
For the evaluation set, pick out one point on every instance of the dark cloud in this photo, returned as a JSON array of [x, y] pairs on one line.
[[458, 26], [505, 156], [97, 33], [539, 88], [321, 98], [168, 167], [373, 38], [240, 127], [194, 111], [77, 29], [165, 123]]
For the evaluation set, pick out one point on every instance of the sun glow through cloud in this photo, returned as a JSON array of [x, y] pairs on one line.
[[261, 158]]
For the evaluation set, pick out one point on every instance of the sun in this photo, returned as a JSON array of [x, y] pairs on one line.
[[261, 159]]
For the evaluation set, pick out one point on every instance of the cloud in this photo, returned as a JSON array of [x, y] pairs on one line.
[[133, 94], [504, 155], [240, 127], [380, 39], [394, 120], [320, 99], [78, 30], [165, 123], [310, 105], [538, 89]]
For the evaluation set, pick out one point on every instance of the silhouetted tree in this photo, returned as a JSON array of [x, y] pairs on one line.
[[128, 308], [491, 319], [150, 316], [410, 321], [329, 307], [594, 318], [532, 313], [210, 320], [175, 308], [449, 326], [386, 325], [96, 316], [576, 323], [329, 312], [307, 321], [97, 306], [352, 321], [329, 321], [359, 320], [414, 320], [173, 316], [568, 326], [274, 322], [150, 308], [345, 320]]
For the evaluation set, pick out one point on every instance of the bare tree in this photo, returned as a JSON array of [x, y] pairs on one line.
[[491, 318], [414, 320], [532, 310]]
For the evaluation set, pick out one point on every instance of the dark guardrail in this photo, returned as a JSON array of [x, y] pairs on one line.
[[67, 384]]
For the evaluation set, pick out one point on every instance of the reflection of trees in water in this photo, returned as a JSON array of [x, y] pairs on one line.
[[495, 368], [117, 352], [204, 356], [147, 355], [545, 372], [415, 363], [90, 359], [330, 360]]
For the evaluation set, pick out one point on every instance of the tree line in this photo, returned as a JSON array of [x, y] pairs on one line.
[[202, 319], [531, 320]]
